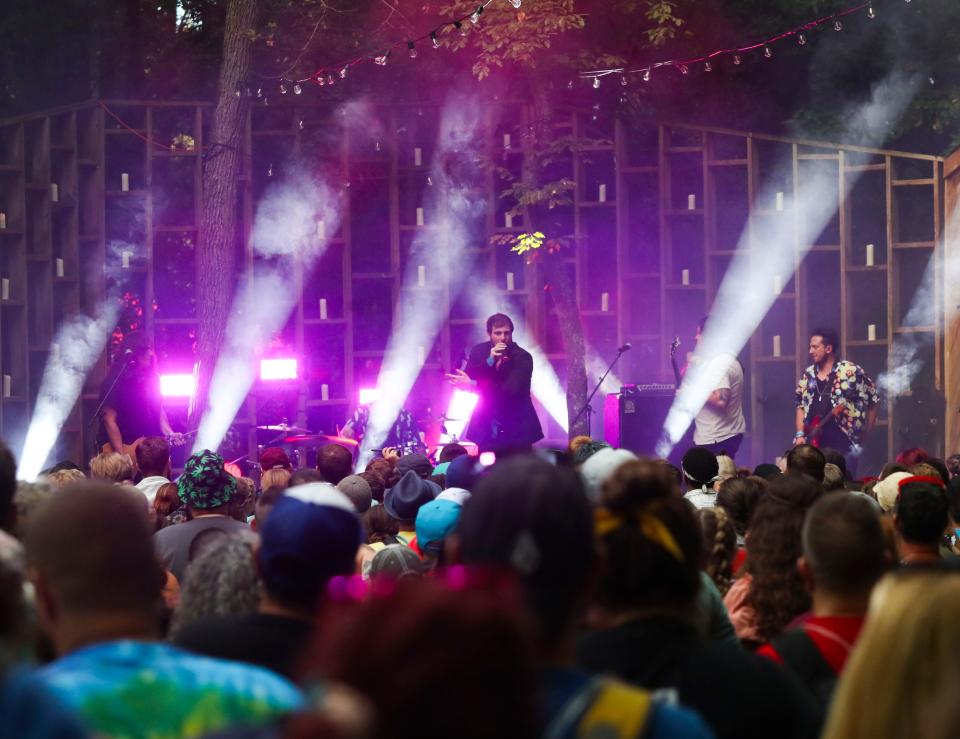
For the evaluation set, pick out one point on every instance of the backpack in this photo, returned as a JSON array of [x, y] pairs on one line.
[[603, 709]]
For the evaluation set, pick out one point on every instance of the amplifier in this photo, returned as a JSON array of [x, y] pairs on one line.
[[642, 411], [649, 388]]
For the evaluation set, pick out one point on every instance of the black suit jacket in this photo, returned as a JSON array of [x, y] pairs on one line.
[[504, 417]]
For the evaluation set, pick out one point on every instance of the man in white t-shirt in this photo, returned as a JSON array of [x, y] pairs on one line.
[[720, 424]]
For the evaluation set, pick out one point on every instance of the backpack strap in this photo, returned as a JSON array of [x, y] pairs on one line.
[[802, 656]]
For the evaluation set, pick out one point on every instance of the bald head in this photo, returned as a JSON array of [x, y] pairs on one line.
[[92, 546]]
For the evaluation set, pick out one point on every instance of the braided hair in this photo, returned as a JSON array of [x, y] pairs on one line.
[[719, 546]]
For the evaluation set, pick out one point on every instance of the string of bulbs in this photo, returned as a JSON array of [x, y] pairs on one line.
[[737, 53], [332, 73]]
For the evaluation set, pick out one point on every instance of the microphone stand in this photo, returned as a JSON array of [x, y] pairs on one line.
[[587, 408], [96, 413]]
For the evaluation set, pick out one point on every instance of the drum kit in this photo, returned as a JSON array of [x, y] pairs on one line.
[[299, 441]]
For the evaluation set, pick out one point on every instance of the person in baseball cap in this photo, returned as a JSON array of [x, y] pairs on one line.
[[416, 462], [312, 535], [435, 520]]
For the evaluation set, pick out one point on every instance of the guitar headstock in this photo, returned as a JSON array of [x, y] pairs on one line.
[[674, 345]]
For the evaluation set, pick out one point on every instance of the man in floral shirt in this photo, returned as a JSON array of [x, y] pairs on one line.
[[836, 400]]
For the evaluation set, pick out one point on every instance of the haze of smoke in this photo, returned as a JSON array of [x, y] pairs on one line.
[[459, 202], [78, 344], [286, 236], [746, 293]]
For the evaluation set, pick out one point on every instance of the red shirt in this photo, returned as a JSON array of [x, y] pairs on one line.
[[834, 636]]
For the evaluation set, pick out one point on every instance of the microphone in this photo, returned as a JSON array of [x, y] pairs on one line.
[[627, 346]]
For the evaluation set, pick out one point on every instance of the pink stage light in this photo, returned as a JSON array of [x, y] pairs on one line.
[[278, 369], [459, 412], [176, 386], [369, 395]]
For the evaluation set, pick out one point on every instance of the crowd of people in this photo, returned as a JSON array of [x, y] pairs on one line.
[[589, 594]]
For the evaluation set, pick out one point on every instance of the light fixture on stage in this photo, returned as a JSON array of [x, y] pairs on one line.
[[278, 369], [177, 385], [459, 411]]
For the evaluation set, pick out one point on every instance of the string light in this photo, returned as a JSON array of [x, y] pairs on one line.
[[516, 3], [434, 40], [297, 89], [684, 69], [343, 73], [382, 59], [735, 53], [623, 80], [475, 15], [411, 49], [596, 83], [459, 26], [646, 75], [283, 89]]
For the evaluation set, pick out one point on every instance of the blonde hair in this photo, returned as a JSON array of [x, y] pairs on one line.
[[62, 478], [279, 476], [112, 467], [904, 660]]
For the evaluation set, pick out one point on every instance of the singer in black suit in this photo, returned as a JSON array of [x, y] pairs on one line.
[[500, 371]]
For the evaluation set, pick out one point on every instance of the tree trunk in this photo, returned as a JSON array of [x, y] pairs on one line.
[[562, 289], [216, 247]]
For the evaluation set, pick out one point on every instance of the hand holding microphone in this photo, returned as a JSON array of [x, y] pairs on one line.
[[499, 353]]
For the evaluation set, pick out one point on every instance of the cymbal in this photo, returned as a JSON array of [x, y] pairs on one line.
[[317, 439], [285, 428]]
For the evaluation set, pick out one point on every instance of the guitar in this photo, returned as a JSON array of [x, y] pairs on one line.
[[814, 430], [674, 345]]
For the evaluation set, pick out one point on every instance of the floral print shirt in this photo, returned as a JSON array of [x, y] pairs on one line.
[[851, 388], [404, 434]]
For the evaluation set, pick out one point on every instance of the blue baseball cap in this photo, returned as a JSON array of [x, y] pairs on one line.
[[435, 520]]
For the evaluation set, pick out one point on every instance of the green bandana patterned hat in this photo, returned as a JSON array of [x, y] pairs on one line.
[[204, 482]]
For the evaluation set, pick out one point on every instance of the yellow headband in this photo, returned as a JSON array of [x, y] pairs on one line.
[[651, 527]]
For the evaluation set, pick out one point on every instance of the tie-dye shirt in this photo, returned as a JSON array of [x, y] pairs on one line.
[[155, 690]]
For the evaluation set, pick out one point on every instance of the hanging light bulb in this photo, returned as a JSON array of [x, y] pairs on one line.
[[802, 39], [411, 50], [343, 73], [596, 83], [516, 3], [646, 75], [475, 15], [707, 66], [259, 92], [623, 80], [330, 79], [297, 89], [300, 125], [837, 24], [871, 13], [270, 170], [382, 59], [434, 40], [736, 59], [684, 69], [459, 26], [321, 80], [283, 88]]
